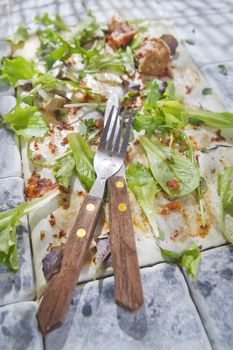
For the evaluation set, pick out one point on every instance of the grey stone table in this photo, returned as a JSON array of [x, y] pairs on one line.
[[179, 313]]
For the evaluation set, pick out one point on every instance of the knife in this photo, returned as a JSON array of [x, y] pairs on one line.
[[128, 286]]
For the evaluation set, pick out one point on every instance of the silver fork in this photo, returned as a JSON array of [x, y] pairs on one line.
[[107, 161]]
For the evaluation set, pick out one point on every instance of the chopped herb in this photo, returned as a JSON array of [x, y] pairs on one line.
[[207, 91], [222, 69], [190, 42]]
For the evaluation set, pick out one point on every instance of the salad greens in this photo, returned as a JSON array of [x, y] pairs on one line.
[[189, 258], [17, 68], [225, 190], [64, 170], [26, 121], [8, 221], [168, 167], [83, 157], [63, 59], [145, 188]]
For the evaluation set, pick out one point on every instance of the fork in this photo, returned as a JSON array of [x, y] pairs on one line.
[[107, 161]]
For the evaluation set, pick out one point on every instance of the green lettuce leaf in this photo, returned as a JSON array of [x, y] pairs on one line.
[[225, 190], [9, 220], [18, 69], [83, 157], [167, 165], [20, 36], [26, 121], [64, 170], [189, 258], [144, 187]]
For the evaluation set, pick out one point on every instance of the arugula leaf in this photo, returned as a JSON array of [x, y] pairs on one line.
[[64, 170], [20, 36], [8, 221], [189, 258], [179, 110], [152, 94], [144, 187], [26, 121], [83, 157], [167, 165], [57, 55], [55, 21], [18, 69], [86, 28], [225, 190], [148, 121]]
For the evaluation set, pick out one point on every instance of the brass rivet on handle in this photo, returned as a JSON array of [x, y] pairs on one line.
[[90, 207], [122, 206], [81, 232], [119, 184]]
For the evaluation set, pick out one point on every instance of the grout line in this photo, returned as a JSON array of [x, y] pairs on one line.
[[196, 307]]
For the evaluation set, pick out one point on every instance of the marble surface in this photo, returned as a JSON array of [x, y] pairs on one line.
[[221, 83], [15, 287], [10, 161], [18, 327], [204, 39], [186, 8], [212, 293], [168, 319]]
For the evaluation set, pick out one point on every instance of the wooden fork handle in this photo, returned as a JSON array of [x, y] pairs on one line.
[[128, 287], [56, 299]]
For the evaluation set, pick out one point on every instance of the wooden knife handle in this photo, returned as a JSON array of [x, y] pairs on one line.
[[56, 299], [128, 287]]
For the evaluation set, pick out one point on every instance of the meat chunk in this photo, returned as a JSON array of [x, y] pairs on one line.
[[121, 33], [171, 42], [153, 58]]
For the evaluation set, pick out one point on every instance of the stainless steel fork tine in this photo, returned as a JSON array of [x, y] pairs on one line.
[[112, 134], [106, 129], [118, 138], [127, 134]]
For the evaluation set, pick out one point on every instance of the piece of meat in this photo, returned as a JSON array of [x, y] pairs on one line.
[[121, 33], [153, 58], [171, 42], [51, 263]]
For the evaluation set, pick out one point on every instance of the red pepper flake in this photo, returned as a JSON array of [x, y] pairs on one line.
[[175, 235], [219, 137], [99, 124], [52, 147], [61, 234], [64, 126], [39, 156], [188, 89], [80, 193], [197, 156], [167, 208], [136, 142], [37, 186], [52, 220], [42, 235], [36, 146], [64, 141], [173, 184]]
